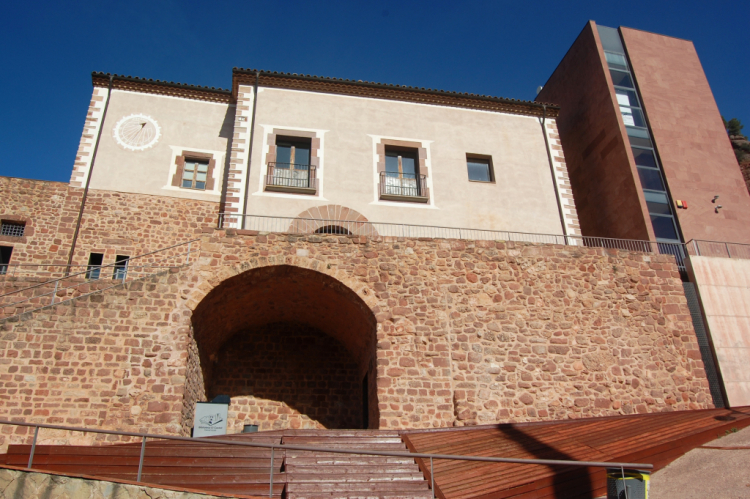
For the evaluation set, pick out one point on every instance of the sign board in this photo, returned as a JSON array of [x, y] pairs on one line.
[[210, 419]]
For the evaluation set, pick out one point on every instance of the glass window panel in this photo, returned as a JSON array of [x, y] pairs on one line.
[[187, 183], [302, 155], [644, 157], [479, 171], [632, 116], [283, 154], [202, 167], [610, 39], [658, 208], [391, 163], [616, 61], [656, 197], [621, 79], [200, 185], [664, 227], [408, 166], [626, 97], [187, 175], [650, 179], [639, 137], [200, 176]]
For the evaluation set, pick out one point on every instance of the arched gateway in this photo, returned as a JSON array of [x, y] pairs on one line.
[[292, 347]]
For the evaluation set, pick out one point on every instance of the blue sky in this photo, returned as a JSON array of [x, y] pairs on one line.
[[49, 50]]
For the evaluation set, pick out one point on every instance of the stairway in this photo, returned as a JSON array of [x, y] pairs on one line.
[[317, 475], [245, 471]]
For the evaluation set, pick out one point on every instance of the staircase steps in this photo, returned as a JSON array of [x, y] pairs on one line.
[[317, 475]]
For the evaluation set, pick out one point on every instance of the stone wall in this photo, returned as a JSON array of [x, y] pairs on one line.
[[113, 223], [288, 376], [467, 331], [17, 484]]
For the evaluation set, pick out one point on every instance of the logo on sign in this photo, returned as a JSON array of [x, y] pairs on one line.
[[212, 419]]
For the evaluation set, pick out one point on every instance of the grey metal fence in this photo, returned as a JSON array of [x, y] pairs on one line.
[[308, 448]]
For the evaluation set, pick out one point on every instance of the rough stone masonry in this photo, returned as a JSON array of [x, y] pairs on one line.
[[465, 332]]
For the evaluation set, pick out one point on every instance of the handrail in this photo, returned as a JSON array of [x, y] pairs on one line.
[[309, 448], [112, 265]]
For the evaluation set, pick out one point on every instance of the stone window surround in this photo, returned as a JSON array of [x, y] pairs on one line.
[[283, 132], [380, 146], [180, 155], [28, 230]]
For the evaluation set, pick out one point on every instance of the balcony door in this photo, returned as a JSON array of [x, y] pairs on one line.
[[292, 166], [401, 172]]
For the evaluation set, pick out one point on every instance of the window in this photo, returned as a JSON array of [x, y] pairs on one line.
[[121, 267], [292, 170], [194, 174], [5, 252], [194, 170], [13, 229], [402, 173], [480, 168], [95, 266]]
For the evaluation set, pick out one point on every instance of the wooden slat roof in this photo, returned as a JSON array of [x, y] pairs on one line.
[[655, 439]]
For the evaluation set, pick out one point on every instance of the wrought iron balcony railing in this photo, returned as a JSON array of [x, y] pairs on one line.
[[403, 187], [291, 177]]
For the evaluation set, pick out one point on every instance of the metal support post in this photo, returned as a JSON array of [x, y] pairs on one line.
[[270, 485], [140, 461], [432, 479], [54, 293], [33, 447]]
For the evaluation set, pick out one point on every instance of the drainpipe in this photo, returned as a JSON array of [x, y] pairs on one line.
[[250, 149], [88, 179], [554, 177]]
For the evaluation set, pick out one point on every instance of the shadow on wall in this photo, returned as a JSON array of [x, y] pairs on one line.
[[289, 375], [298, 339], [568, 483]]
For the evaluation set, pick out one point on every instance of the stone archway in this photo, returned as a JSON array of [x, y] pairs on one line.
[[333, 219], [293, 347]]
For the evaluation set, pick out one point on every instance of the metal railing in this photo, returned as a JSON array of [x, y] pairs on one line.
[[407, 185], [308, 448], [700, 247], [291, 176], [293, 225], [90, 280]]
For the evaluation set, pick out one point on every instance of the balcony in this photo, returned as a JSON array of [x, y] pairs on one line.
[[403, 187], [291, 177]]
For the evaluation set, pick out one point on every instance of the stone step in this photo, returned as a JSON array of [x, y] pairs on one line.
[[357, 468], [376, 487], [333, 478], [319, 440], [363, 494], [345, 459]]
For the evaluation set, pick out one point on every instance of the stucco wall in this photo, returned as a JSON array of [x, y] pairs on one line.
[[467, 331], [724, 288], [521, 199], [185, 125]]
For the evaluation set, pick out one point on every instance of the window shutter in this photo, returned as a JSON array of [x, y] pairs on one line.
[[177, 179], [210, 175]]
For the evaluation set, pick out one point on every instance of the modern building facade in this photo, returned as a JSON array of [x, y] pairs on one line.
[[649, 159]]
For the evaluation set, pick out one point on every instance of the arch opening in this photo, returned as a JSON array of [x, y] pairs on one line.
[[292, 347]]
